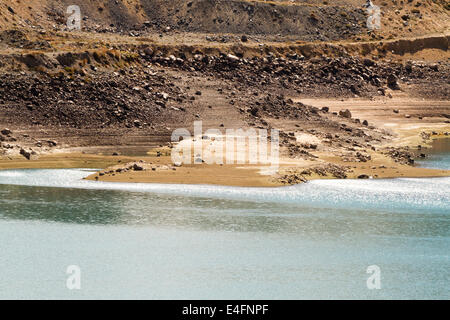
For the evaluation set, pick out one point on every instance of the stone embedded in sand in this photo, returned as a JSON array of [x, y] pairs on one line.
[[368, 62], [254, 111], [163, 95], [345, 114], [363, 176], [148, 52], [434, 67], [232, 57], [392, 82], [25, 153], [409, 67], [137, 167], [6, 132]]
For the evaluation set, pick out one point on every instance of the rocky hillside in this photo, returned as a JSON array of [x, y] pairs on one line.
[[301, 19], [141, 68]]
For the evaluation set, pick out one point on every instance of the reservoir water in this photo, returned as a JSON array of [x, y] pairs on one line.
[[153, 241], [438, 156]]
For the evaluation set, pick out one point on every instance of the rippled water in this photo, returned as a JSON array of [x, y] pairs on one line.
[[438, 156], [209, 242]]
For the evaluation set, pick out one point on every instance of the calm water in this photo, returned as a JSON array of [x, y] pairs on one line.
[[209, 242], [438, 156]]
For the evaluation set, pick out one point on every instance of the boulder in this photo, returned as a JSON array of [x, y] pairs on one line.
[[345, 114], [232, 58], [254, 111], [368, 62], [25, 153], [6, 132], [392, 82]]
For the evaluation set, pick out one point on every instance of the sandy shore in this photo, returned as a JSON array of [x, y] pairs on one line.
[[161, 170], [406, 127], [232, 175]]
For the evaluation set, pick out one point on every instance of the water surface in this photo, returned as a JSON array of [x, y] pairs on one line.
[[157, 241], [438, 156]]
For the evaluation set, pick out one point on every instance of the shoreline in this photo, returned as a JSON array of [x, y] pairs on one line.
[[379, 167], [399, 136]]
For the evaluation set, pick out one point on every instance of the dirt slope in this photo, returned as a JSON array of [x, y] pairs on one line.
[[301, 19], [140, 69]]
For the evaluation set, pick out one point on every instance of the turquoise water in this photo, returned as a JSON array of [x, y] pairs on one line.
[[155, 241]]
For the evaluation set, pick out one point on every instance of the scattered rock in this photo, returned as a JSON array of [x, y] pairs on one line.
[[232, 57], [345, 114], [25, 153], [6, 132], [392, 82]]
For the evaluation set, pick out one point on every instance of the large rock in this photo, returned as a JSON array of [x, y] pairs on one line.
[[6, 132], [25, 153], [392, 82], [232, 58], [345, 113]]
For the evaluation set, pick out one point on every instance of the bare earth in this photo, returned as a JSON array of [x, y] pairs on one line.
[[160, 169], [348, 102]]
